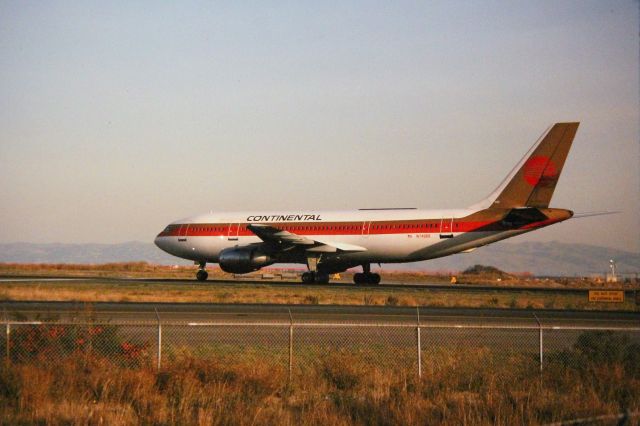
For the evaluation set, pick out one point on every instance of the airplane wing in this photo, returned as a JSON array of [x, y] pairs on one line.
[[285, 240]]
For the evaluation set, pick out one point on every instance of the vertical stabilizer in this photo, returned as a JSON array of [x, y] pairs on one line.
[[532, 182]]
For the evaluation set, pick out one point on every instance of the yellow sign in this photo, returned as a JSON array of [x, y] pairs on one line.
[[611, 296]]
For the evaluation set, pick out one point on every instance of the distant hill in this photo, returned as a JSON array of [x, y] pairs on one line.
[[552, 258], [549, 258], [86, 253]]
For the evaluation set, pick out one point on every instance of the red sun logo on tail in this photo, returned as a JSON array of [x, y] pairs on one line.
[[540, 170]]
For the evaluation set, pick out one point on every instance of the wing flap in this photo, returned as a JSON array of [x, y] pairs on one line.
[[271, 234], [342, 246]]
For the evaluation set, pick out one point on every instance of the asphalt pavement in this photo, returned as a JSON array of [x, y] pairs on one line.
[[325, 314]]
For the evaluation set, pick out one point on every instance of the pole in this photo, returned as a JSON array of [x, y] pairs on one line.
[[8, 342], [419, 344], [540, 337], [290, 346], [7, 334], [159, 339]]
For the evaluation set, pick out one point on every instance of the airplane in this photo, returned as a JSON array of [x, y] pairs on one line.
[[329, 242]]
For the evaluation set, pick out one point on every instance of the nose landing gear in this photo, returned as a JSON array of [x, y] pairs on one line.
[[202, 274]]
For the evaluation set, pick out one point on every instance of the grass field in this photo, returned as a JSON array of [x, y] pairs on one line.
[[504, 296], [212, 292], [598, 375]]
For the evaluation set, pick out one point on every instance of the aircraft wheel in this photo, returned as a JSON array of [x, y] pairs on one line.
[[321, 278], [308, 277], [363, 278], [202, 275]]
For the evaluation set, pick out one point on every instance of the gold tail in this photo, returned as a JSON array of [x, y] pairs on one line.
[[532, 182]]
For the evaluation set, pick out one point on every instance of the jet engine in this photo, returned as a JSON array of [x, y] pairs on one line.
[[241, 260]]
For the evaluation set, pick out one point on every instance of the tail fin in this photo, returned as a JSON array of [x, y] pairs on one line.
[[532, 182]]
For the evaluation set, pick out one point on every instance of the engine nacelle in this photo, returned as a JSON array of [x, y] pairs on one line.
[[241, 260]]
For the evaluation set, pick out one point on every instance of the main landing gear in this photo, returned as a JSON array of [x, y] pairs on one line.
[[315, 277], [366, 277], [202, 274], [360, 278]]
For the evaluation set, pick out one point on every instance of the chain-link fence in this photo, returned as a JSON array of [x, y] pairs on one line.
[[408, 371], [295, 348]]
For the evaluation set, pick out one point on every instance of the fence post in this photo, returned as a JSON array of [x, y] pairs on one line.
[[419, 344], [159, 339], [290, 346], [540, 337], [8, 334]]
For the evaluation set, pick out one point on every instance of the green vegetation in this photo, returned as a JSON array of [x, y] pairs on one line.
[[482, 269]]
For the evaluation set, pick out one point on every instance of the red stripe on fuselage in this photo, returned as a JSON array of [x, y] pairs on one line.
[[343, 228]]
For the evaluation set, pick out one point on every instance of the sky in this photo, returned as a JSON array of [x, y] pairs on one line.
[[117, 118]]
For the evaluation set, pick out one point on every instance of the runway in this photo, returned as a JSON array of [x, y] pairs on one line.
[[384, 286], [322, 314]]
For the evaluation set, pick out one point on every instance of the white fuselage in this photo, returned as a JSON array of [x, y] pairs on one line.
[[386, 235]]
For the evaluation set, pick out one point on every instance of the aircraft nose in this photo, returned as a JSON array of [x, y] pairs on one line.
[[160, 242]]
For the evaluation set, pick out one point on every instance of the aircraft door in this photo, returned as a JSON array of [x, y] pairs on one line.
[[366, 227], [232, 233], [446, 227], [182, 232]]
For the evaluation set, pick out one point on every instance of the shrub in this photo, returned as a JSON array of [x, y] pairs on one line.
[[311, 300], [54, 341], [609, 348], [392, 301], [342, 371]]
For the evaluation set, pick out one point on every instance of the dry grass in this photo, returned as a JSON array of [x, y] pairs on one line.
[[212, 292], [241, 292], [475, 386], [251, 293], [122, 269]]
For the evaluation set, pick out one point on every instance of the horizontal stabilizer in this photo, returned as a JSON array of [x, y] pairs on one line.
[[591, 214]]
